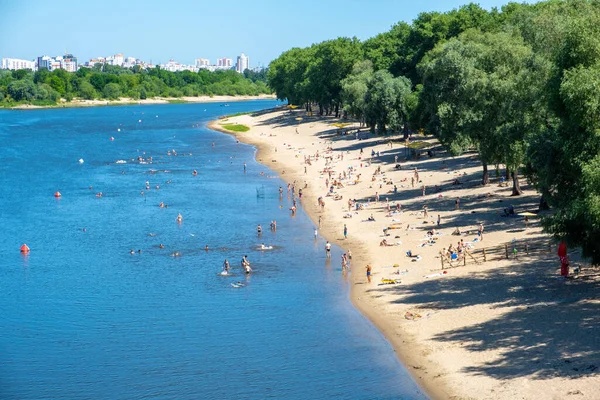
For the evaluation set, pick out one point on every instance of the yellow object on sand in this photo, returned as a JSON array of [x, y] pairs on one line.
[[527, 214]]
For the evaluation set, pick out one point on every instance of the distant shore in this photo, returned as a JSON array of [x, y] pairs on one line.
[[154, 100], [501, 329]]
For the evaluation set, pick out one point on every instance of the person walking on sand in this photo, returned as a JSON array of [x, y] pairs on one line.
[[480, 231], [328, 249], [319, 221], [345, 232], [439, 220], [423, 190], [412, 181], [368, 267], [457, 203]]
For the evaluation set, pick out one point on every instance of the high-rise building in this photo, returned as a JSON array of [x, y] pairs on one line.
[[15, 63], [46, 62], [69, 63], [243, 63], [224, 62], [202, 62]]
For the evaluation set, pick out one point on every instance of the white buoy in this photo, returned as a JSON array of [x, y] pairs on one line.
[[140, 120], [81, 161], [118, 129]]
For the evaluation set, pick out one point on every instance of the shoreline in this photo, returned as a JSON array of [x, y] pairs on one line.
[[502, 329], [361, 256], [155, 100]]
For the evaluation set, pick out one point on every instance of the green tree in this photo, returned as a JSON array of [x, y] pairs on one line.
[[473, 96], [386, 49], [331, 63], [112, 91], [354, 89], [87, 91], [23, 90]]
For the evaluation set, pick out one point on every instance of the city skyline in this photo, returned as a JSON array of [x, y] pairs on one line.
[[262, 29]]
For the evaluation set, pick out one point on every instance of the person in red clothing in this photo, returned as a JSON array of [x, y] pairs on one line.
[[564, 259]]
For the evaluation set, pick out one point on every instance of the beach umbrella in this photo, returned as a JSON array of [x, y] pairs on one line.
[[527, 214]]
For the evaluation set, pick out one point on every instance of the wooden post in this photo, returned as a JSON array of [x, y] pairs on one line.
[[506, 249], [484, 257]]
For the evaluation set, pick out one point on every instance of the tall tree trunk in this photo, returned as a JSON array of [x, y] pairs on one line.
[[485, 180], [507, 172], [543, 204], [337, 110], [516, 190], [320, 109]]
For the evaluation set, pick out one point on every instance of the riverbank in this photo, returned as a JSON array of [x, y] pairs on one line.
[[155, 100], [503, 329]]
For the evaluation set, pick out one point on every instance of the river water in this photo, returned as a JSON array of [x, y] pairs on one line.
[[82, 317]]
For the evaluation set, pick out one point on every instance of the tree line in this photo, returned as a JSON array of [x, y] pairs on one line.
[[110, 82], [519, 85]]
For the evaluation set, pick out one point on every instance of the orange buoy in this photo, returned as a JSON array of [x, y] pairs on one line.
[[24, 248], [57, 194]]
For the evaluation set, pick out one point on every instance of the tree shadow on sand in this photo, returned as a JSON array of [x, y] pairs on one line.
[[553, 332]]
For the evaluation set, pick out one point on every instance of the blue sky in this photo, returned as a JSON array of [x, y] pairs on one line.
[[189, 29]]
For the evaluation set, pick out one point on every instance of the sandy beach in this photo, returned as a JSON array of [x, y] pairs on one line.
[[154, 100], [507, 328]]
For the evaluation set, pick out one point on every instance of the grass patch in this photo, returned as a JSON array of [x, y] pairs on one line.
[[236, 127], [176, 101], [419, 145]]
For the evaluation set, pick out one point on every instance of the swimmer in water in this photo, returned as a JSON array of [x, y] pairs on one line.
[[179, 218], [160, 246], [226, 266], [206, 248]]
